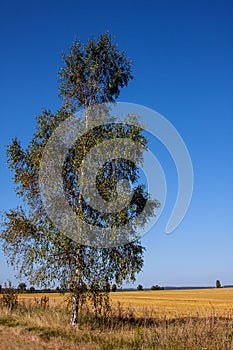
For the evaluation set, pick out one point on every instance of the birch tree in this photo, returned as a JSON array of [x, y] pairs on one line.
[[92, 74]]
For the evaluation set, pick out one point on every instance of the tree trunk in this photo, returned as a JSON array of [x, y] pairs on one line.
[[76, 290], [75, 310], [79, 260]]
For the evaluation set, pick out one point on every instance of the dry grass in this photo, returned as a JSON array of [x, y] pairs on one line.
[[159, 320]]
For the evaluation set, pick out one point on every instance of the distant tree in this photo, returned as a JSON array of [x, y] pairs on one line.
[[157, 287], [139, 287], [0, 288], [154, 287], [114, 287], [32, 289], [218, 284], [22, 287]]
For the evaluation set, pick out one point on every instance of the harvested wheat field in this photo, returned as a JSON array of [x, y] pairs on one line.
[[161, 303], [179, 303]]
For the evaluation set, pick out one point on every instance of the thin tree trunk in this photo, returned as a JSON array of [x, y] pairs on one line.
[[77, 287], [79, 260], [75, 310]]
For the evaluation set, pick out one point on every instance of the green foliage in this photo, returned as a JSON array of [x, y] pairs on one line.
[[95, 72]]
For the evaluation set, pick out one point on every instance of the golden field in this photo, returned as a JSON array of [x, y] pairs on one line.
[[179, 303], [161, 303]]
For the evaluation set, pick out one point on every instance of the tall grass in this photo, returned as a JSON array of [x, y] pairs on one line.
[[122, 328]]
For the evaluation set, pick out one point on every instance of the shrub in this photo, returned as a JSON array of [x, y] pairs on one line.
[[9, 298]]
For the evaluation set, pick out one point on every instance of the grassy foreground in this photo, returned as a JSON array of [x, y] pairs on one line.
[[171, 320]]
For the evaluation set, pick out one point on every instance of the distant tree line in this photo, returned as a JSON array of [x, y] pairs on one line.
[[22, 288]]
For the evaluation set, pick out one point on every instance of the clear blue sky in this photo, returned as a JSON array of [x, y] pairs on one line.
[[183, 54]]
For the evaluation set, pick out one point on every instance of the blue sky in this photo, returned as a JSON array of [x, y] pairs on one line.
[[182, 53]]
